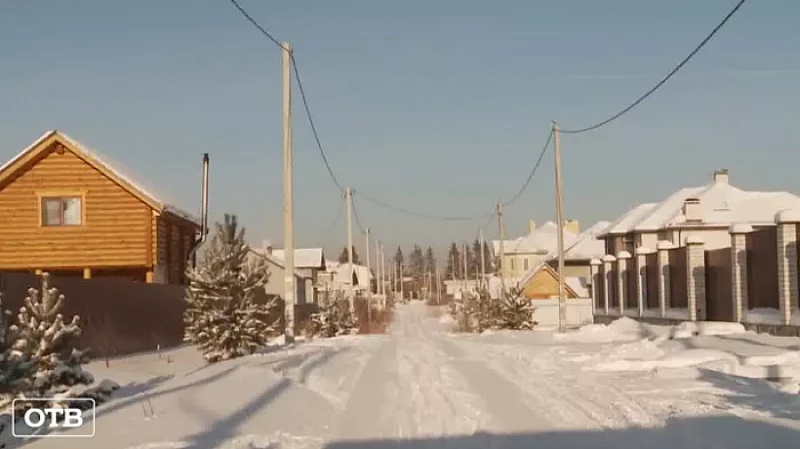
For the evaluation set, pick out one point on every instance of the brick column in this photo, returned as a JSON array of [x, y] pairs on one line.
[[622, 270], [787, 220], [664, 292], [696, 277], [608, 264], [739, 269], [641, 277], [594, 265]]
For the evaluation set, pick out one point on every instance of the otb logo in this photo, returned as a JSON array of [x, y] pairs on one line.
[[41, 421]]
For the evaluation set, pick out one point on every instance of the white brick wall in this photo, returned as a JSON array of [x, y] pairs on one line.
[[663, 277], [622, 268], [787, 269], [608, 265], [695, 279], [739, 273], [640, 280], [595, 269]]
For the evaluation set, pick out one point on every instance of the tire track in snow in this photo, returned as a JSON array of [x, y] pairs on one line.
[[584, 400], [407, 390]]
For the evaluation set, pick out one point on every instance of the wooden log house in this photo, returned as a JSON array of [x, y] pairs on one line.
[[65, 210]]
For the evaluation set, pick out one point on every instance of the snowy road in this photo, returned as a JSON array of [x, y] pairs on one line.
[[422, 387], [423, 383]]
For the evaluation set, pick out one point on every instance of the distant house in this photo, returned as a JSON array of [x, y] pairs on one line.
[[706, 212], [456, 288], [336, 277], [578, 255], [308, 262], [66, 210], [523, 253], [541, 282]]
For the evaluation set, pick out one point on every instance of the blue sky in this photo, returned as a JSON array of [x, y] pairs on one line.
[[440, 107]]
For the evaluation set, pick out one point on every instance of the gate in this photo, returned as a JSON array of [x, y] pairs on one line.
[[719, 293]]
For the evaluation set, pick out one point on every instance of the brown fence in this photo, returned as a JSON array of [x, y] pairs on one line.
[[677, 278], [118, 316], [598, 285], [651, 283], [611, 282], [762, 268], [719, 292], [629, 283]]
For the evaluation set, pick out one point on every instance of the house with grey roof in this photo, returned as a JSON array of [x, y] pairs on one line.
[[579, 254], [308, 262]]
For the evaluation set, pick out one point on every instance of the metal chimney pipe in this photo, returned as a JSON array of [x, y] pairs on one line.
[[204, 206], [203, 213]]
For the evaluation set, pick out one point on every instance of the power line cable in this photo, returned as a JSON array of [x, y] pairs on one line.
[[663, 80], [311, 123], [300, 87], [358, 220], [332, 227], [255, 24], [419, 214], [331, 173], [533, 171]]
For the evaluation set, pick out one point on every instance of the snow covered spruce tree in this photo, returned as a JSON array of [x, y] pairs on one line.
[[224, 317], [16, 367], [50, 342], [334, 317], [516, 311]]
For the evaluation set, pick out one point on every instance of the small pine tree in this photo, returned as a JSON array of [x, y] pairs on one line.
[[51, 342], [334, 317], [516, 312], [223, 316], [16, 367]]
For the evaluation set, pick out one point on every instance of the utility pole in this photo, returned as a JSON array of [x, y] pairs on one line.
[[438, 288], [402, 293], [288, 206], [502, 249], [378, 269], [562, 305], [369, 282], [483, 256], [383, 272], [466, 272], [349, 202]]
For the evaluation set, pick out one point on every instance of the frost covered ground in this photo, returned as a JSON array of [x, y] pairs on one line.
[[625, 386]]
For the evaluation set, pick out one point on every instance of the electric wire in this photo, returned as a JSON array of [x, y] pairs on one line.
[[663, 80]]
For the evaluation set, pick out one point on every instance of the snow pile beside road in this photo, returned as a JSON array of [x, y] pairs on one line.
[[622, 329]]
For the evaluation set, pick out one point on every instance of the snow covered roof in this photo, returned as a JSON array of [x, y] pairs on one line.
[[541, 241], [628, 220], [342, 274], [578, 285], [586, 246], [114, 170], [273, 261], [719, 204], [304, 257]]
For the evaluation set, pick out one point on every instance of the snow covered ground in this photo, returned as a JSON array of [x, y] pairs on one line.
[[625, 385]]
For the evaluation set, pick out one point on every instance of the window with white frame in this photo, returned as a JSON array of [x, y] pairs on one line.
[[62, 211]]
